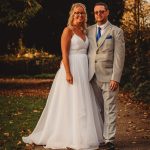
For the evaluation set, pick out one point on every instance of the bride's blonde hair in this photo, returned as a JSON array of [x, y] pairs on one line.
[[71, 13]]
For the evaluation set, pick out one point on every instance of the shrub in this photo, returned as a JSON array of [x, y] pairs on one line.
[[142, 91], [12, 65]]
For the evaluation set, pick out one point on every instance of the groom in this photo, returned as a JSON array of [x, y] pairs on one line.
[[106, 60]]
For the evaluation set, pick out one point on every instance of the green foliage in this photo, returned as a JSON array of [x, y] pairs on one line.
[[29, 65], [17, 13], [128, 87], [142, 91]]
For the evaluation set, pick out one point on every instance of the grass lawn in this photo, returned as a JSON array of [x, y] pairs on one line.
[[18, 117]]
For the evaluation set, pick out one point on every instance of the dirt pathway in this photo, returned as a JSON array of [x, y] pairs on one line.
[[133, 121]]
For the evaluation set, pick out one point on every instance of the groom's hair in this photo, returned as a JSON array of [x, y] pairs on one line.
[[102, 4]]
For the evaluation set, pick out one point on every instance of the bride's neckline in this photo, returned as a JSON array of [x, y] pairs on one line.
[[84, 40], [75, 31]]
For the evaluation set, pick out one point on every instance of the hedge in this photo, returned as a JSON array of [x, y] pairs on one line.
[[29, 66]]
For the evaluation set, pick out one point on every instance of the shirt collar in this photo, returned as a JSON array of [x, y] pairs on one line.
[[103, 26]]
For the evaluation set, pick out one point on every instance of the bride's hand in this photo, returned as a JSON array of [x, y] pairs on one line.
[[69, 78]]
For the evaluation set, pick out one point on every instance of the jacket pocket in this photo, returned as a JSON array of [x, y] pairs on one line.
[[108, 44]]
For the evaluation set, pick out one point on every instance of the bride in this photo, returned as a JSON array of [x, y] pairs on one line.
[[71, 118]]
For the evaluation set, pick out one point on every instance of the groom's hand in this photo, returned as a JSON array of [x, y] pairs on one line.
[[113, 85]]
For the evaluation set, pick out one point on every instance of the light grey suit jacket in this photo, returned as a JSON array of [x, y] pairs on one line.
[[107, 61]]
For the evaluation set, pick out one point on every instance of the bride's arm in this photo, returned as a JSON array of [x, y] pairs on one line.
[[65, 46]]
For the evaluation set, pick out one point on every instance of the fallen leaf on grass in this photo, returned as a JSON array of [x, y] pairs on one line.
[[29, 131], [133, 142], [19, 142], [11, 122], [146, 137], [36, 111], [143, 119], [145, 116], [18, 113], [129, 122], [128, 104], [6, 134], [140, 130]]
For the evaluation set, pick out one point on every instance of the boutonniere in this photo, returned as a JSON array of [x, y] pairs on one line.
[[109, 37]]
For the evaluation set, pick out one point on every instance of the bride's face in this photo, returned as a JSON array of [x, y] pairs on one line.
[[78, 15]]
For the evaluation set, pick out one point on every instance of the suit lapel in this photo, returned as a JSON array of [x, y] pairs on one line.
[[103, 37], [94, 35]]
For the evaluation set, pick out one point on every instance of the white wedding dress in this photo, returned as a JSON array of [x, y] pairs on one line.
[[71, 117]]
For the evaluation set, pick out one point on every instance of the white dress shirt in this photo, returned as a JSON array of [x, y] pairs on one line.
[[103, 27]]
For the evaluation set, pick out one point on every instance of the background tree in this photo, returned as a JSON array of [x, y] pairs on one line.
[[44, 30], [136, 24], [17, 13]]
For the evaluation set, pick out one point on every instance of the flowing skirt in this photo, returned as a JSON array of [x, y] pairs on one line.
[[71, 117]]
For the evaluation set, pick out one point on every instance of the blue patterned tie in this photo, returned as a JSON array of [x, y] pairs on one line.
[[98, 34]]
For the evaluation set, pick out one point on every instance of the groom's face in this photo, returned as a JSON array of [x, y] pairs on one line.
[[101, 14]]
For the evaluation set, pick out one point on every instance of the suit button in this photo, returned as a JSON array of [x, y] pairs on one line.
[[95, 61]]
